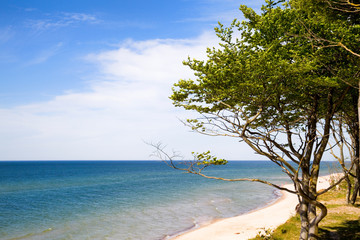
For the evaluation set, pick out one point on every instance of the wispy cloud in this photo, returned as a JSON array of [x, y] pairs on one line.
[[80, 17], [61, 20], [44, 55], [223, 11], [30, 9], [6, 34], [224, 17]]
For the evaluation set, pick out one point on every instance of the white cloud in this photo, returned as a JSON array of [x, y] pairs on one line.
[[128, 103]]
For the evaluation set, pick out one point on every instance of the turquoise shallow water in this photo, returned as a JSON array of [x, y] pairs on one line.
[[126, 200]]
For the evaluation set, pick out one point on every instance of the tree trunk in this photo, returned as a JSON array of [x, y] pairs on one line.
[[305, 207], [357, 153], [357, 162], [355, 192], [313, 231], [310, 221], [357, 150], [356, 179], [348, 190], [314, 223], [313, 226], [303, 210], [347, 179]]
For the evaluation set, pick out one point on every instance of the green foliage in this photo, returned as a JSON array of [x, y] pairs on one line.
[[287, 74], [268, 68], [274, 67], [206, 159]]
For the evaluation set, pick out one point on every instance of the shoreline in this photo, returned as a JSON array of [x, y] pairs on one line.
[[248, 225], [196, 226]]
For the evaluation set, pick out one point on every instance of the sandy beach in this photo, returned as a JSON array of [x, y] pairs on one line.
[[249, 225]]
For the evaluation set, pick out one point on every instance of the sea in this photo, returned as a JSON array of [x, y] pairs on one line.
[[124, 200]]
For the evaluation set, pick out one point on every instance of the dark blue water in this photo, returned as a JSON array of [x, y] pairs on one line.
[[122, 199]]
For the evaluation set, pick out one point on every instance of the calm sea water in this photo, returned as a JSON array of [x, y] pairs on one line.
[[123, 200]]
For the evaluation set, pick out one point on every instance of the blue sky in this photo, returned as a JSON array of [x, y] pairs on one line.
[[90, 79]]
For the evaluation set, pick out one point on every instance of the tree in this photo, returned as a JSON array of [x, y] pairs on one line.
[[340, 29], [340, 18], [339, 128], [275, 92], [344, 5]]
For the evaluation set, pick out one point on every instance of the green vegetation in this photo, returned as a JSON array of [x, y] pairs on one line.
[[285, 82], [342, 221], [284, 90]]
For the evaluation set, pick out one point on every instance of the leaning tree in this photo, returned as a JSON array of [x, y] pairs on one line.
[[272, 90]]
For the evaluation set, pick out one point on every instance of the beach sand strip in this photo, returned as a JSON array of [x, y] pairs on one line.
[[249, 225]]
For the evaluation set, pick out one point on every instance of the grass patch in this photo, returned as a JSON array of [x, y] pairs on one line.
[[342, 221], [289, 230]]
